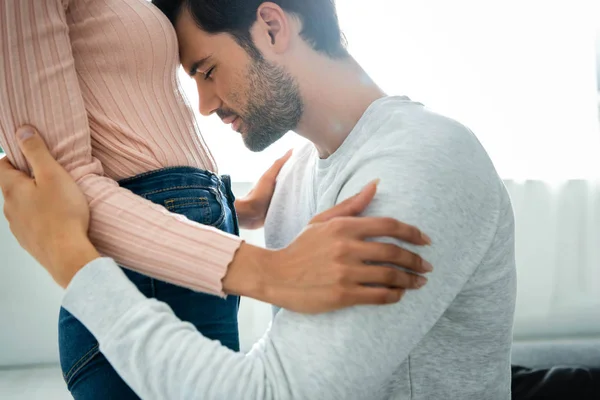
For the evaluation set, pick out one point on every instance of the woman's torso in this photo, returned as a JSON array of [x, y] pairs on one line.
[[126, 57]]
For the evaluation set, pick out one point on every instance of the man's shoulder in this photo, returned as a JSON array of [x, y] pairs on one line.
[[412, 127], [425, 161], [408, 139]]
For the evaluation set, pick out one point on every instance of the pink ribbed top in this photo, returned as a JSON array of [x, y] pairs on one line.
[[99, 80]]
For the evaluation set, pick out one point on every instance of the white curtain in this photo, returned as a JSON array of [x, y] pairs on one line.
[[558, 258]]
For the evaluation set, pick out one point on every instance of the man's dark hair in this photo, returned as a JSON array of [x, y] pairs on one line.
[[320, 25]]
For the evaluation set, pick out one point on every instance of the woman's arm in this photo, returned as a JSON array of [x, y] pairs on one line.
[[39, 86]]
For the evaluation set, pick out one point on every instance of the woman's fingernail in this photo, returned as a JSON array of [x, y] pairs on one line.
[[376, 182], [427, 266], [425, 238], [25, 133]]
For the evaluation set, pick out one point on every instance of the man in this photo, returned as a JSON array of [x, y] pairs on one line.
[[276, 66]]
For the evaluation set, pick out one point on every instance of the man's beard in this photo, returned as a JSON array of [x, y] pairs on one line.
[[274, 105]]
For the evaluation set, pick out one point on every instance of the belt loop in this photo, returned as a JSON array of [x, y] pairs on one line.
[[226, 179]]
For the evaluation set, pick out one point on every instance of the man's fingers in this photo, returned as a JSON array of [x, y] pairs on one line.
[[275, 169], [281, 161], [370, 227], [34, 149], [375, 252], [350, 207], [5, 166], [9, 176]]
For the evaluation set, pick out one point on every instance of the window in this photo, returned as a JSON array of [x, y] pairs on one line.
[[520, 74]]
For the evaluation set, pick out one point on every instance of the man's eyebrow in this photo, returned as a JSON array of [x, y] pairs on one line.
[[197, 65]]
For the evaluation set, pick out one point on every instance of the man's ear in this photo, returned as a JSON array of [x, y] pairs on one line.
[[274, 27]]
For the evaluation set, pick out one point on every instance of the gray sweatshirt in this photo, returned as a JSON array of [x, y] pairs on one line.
[[448, 340]]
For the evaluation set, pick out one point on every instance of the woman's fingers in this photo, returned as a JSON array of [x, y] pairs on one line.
[[386, 253]]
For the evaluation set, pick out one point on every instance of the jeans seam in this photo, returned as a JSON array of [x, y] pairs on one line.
[[193, 198], [219, 197], [82, 362], [171, 203], [179, 188], [206, 211], [154, 172]]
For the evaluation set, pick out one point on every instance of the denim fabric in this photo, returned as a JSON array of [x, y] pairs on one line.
[[202, 197]]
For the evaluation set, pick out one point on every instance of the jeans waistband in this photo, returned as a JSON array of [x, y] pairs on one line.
[[177, 177]]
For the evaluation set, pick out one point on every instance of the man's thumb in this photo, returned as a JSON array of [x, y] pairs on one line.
[[34, 149]]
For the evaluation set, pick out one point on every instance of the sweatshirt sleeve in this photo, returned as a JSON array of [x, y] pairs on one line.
[[347, 354], [39, 86]]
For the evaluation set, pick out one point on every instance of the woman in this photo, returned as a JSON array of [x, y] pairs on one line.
[[99, 80]]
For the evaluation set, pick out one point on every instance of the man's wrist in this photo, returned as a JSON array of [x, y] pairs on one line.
[[240, 209], [243, 209], [246, 273], [70, 257]]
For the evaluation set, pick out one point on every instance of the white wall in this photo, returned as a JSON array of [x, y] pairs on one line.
[[558, 259], [29, 304]]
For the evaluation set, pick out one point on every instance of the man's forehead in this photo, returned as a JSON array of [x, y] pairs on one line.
[[189, 34], [189, 38]]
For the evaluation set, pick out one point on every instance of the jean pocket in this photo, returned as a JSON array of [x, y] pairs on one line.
[[194, 208], [199, 204]]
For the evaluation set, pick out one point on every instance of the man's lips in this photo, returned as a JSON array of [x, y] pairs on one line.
[[229, 119], [234, 120], [237, 123]]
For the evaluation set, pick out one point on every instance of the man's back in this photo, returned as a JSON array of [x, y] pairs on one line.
[[450, 339]]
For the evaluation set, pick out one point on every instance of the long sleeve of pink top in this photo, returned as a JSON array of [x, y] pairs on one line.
[[99, 80]]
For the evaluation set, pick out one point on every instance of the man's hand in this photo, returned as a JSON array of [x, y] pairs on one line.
[[252, 209], [49, 215], [329, 265]]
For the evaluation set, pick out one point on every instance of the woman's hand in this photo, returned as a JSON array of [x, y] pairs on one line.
[[49, 215], [252, 209], [329, 265]]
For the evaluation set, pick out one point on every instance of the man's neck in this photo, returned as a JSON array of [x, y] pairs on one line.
[[336, 94]]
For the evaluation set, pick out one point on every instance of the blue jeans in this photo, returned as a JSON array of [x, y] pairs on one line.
[[202, 197]]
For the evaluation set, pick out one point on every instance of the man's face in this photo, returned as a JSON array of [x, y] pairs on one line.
[[261, 100]]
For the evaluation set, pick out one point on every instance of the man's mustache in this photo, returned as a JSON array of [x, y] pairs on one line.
[[225, 114]]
